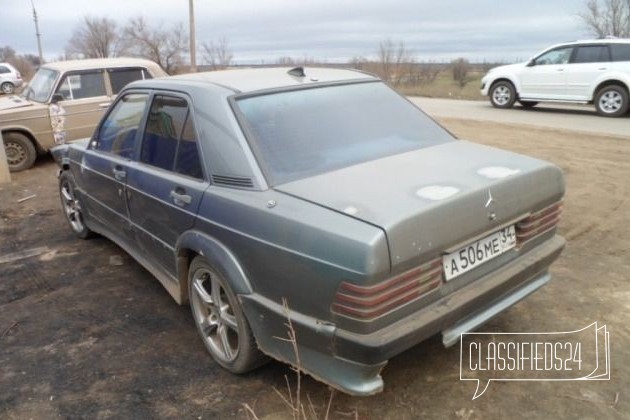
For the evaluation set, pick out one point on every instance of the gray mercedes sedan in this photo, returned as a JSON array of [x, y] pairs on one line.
[[316, 196]]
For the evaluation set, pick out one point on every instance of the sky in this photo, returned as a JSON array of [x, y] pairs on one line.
[[328, 30]]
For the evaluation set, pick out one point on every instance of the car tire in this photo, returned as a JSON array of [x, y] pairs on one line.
[[502, 95], [71, 205], [611, 101], [220, 320], [7, 88], [20, 151], [528, 104]]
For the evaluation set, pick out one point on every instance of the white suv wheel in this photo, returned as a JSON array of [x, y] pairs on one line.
[[612, 101]]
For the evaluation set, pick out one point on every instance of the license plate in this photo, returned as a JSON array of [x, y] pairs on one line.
[[474, 254]]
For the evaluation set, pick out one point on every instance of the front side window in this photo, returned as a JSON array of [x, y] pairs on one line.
[[117, 134], [120, 78], [82, 85], [592, 54], [305, 132], [557, 56], [41, 86]]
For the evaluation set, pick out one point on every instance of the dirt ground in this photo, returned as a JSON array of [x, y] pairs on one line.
[[85, 332]]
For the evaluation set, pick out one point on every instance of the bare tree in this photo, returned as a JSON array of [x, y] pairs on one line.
[[395, 62], [6, 53], [607, 18], [460, 67], [164, 46], [218, 55], [95, 37]]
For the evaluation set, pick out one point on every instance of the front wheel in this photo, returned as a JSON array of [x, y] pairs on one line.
[[20, 151], [612, 101], [72, 206], [502, 95], [220, 319]]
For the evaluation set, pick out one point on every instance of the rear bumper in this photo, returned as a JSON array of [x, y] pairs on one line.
[[352, 362]]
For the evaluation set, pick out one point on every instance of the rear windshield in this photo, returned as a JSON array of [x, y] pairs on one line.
[[306, 132]]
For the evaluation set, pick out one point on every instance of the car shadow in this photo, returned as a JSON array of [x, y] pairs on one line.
[[546, 109]]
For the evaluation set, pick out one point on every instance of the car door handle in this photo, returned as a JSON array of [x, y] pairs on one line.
[[180, 197], [119, 174], [559, 69], [602, 68], [104, 105]]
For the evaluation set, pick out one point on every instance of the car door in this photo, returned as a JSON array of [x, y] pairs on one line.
[[545, 76], [105, 164], [587, 64], [167, 183], [82, 99]]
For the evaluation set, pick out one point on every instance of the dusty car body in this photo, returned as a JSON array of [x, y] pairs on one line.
[[318, 195], [63, 102]]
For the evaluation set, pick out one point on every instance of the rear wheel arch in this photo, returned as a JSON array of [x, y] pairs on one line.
[[193, 243], [611, 98], [607, 83]]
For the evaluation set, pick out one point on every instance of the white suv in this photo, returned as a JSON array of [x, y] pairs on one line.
[[596, 72]]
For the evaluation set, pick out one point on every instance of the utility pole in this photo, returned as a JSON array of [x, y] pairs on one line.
[[193, 45], [39, 40]]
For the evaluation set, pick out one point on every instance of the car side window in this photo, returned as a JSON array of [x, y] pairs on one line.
[[620, 52], [557, 56], [120, 78], [4, 69], [82, 85], [187, 161], [592, 54], [117, 134], [165, 123]]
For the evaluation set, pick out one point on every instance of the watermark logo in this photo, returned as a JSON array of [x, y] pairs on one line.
[[581, 355]]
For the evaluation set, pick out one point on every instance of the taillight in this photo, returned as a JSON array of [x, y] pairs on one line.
[[368, 302], [538, 223]]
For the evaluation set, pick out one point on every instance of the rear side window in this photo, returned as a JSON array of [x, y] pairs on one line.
[[592, 54], [187, 161], [170, 140], [82, 85], [4, 69], [120, 78], [620, 52], [164, 127], [117, 134]]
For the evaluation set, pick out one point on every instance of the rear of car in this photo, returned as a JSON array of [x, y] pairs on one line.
[[10, 78]]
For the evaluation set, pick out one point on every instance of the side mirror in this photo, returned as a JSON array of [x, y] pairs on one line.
[[56, 98], [531, 63]]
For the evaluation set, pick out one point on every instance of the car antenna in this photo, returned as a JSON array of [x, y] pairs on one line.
[[297, 72]]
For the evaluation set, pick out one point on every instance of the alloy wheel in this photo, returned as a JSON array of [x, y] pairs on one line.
[[214, 314], [72, 207]]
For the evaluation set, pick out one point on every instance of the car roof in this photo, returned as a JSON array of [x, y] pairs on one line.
[[95, 63], [598, 41], [250, 80]]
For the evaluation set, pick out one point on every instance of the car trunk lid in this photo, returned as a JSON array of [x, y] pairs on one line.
[[437, 198]]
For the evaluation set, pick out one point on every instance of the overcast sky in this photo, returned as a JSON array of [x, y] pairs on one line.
[[331, 30]]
